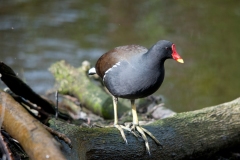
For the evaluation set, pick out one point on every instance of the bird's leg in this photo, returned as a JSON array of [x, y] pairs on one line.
[[115, 100], [141, 130], [135, 118], [136, 125], [116, 125], [119, 127], [134, 113]]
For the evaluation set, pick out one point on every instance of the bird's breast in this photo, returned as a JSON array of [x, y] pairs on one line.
[[128, 81]]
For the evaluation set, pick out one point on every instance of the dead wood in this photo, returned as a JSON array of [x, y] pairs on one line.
[[36, 141], [20, 88], [191, 135]]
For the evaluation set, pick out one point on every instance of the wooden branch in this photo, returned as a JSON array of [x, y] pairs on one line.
[[20, 88], [36, 141], [190, 135]]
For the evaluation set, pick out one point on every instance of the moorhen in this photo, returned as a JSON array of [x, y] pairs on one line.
[[132, 72]]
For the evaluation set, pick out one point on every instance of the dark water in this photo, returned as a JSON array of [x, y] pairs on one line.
[[35, 34]]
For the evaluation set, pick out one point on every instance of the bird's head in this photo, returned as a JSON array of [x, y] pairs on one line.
[[167, 50]]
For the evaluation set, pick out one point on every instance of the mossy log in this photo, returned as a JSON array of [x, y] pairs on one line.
[[191, 135], [76, 82]]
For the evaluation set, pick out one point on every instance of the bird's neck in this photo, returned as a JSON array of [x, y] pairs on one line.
[[154, 60]]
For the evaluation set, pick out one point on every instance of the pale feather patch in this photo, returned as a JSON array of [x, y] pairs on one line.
[[92, 71]]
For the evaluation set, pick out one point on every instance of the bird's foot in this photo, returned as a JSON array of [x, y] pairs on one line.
[[121, 128], [136, 130]]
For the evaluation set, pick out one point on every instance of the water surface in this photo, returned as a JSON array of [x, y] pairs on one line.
[[35, 34]]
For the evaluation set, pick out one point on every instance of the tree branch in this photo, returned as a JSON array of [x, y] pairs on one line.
[[36, 141]]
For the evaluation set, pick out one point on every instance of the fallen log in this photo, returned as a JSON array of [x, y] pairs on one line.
[[197, 134]]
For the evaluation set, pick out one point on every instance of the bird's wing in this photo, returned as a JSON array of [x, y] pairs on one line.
[[112, 57]]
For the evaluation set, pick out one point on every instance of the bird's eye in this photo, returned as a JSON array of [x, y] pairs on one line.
[[168, 48]]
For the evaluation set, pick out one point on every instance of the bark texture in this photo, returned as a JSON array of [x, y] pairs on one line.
[[190, 135], [28, 131]]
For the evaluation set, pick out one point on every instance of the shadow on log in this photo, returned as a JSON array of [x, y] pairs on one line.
[[190, 135]]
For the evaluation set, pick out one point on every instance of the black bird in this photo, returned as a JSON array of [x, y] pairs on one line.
[[133, 72]]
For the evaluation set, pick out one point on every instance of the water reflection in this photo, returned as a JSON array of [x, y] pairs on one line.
[[35, 34]]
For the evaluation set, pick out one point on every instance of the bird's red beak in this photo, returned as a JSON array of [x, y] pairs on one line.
[[175, 55]]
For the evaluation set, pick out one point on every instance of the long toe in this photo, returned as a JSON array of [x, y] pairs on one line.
[[120, 128], [150, 134], [140, 130], [133, 130]]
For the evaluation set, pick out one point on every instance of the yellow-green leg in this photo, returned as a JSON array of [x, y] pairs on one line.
[[116, 125], [119, 127], [141, 130]]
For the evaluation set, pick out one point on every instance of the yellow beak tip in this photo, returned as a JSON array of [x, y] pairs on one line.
[[180, 60]]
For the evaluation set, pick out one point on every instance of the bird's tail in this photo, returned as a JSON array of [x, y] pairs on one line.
[[92, 71]]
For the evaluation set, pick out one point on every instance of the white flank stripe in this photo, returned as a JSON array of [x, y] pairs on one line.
[[114, 66]]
